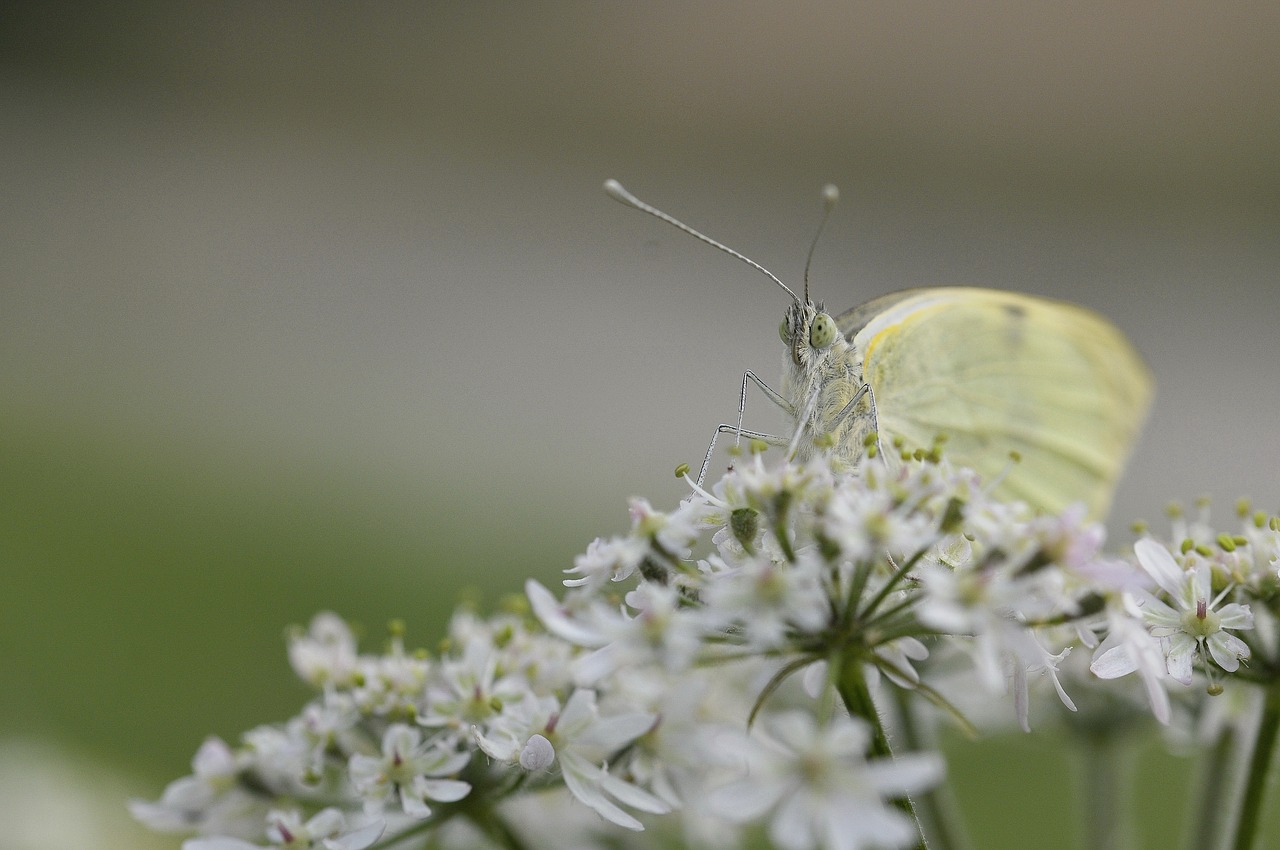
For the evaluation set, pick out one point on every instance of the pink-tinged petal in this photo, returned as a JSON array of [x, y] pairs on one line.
[[1159, 564]]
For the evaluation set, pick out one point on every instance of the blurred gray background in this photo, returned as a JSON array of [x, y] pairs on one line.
[[311, 305]]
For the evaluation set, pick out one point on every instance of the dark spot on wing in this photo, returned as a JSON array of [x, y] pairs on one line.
[[1017, 325]]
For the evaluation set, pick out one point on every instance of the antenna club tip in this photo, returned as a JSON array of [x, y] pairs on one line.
[[614, 189], [830, 194]]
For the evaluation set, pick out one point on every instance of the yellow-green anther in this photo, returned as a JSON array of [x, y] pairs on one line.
[[682, 470], [1226, 543], [1187, 546]]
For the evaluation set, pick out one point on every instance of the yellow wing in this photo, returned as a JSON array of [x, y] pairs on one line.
[[998, 372]]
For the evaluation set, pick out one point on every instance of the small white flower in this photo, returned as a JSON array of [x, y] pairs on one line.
[[607, 561], [1129, 646], [326, 654], [408, 767], [286, 829], [579, 738], [1197, 623], [208, 801], [766, 600], [819, 790]]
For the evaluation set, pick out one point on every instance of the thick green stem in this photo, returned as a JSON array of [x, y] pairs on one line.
[[853, 689], [1259, 767]]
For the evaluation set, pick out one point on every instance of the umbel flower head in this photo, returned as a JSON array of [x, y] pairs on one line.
[[721, 668]]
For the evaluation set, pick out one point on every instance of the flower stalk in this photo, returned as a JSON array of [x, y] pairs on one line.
[[1259, 769]]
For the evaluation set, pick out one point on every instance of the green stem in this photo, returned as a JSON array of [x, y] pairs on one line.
[[853, 689], [1259, 766], [1213, 791]]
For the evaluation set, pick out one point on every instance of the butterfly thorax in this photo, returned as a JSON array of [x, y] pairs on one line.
[[822, 374]]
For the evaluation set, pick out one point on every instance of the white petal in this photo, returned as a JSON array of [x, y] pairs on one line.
[[441, 790], [1227, 650], [613, 733], [357, 839], [906, 774], [1235, 616], [413, 805], [547, 609], [1161, 566], [1113, 662], [636, 798], [581, 778], [1182, 649], [218, 843], [792, 828], [742, 801]]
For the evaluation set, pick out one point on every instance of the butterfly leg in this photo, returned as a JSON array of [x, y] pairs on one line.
[[725, 428], [770, 393], [847, 411]]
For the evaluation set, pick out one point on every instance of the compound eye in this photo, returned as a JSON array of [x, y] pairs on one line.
[[823, 331], [783, 332]]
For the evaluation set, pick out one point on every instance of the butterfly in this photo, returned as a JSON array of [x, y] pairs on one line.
[[992, 373]]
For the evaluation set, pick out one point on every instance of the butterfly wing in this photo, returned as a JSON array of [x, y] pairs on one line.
[[998, 372]]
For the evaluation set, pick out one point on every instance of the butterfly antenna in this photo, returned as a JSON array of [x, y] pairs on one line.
[[614, 189], [830, 195]]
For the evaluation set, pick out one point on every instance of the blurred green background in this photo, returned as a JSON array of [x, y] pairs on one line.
[[310, 305]]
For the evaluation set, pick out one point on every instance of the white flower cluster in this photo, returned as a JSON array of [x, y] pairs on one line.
[[722, 664]]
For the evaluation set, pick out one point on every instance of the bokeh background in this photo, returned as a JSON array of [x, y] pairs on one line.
[[309, 305]]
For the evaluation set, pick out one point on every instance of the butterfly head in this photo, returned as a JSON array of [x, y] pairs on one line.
[[809, 332]]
